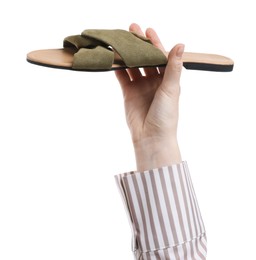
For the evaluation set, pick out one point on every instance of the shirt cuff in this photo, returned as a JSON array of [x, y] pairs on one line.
[[163, 213]]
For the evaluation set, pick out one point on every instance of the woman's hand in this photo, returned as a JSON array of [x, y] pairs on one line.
[[152, 105]]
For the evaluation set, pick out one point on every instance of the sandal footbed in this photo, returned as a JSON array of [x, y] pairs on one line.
[[63, 59]]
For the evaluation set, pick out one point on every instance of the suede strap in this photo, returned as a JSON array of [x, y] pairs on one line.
[[98, 58], [96, 50], [134, 50], [91, 55], [78, 41]]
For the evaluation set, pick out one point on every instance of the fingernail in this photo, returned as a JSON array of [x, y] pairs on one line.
[[180, 51]]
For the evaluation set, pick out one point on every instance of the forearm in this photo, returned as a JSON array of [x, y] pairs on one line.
[[156, 152]]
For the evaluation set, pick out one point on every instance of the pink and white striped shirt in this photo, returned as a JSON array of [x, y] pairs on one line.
[[163, 212]]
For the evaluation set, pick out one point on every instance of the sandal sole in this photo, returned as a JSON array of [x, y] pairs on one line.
[[63, 59]]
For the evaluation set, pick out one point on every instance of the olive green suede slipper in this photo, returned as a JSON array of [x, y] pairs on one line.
[[106, 50]]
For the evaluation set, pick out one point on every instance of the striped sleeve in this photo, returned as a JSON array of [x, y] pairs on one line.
[[163, 213]]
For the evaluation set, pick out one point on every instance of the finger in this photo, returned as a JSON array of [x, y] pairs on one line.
[[151, 72], [161, 70], [124, 80], [171, 80], [123, 77], [134, 73], [152, 35], [136, 29]]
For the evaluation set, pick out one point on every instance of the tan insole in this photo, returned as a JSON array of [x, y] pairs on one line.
[[64, 58]]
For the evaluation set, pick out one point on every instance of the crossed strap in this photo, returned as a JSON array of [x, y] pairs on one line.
[[97, 48]]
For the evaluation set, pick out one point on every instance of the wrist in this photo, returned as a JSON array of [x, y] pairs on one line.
[[155, 152]]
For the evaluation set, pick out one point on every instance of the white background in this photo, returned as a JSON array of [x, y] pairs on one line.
[[63, 135]]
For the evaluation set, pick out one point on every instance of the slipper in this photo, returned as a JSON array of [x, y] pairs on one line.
[[106, 50]]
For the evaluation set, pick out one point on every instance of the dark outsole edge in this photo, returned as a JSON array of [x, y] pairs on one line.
[[187, 65], [208, 67]]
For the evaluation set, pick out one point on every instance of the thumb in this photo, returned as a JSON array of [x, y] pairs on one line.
[[171, 80]]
